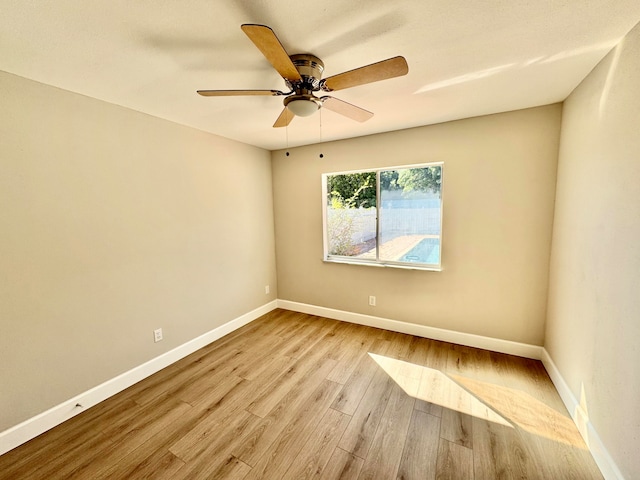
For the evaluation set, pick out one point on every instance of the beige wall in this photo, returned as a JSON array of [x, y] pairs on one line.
[[593, 328], [114, 223], [499, 184]]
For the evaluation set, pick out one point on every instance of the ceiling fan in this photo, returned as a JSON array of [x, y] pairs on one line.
[[302, 74]]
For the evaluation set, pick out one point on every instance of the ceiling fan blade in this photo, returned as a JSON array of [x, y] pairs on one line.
[[234, 93], [390, 68], [284, 119], [348, 110], [265, 39]]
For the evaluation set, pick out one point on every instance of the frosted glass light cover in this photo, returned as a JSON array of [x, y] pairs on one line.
[[302, 108]]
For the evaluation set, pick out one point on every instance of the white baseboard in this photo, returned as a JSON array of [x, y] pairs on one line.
[[31, 428], [607, 466], [468, 339], [44, 421]]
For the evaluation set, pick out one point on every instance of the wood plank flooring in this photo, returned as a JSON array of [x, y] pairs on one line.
[[294, 396]]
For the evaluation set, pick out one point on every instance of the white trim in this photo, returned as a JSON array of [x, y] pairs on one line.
[[603, 459], [383, 169], [326, 257], [379, 264], [325, 233], [607, 466], [31, 428], [468, 339]]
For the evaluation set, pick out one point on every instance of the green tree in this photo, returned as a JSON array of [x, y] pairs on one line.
[[358, 190], [421, 179], [361, 191], [389, 180], [354, 190]]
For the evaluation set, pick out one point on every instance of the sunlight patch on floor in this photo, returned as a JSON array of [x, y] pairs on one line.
[[525, 411], [435, 387], [495, 403]]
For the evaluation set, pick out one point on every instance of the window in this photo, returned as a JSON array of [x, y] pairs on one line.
[[390, 217]]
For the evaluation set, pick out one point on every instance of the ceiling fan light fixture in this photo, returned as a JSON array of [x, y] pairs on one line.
[[302, 106]]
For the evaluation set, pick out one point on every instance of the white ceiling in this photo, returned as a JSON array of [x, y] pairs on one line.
[[466, 58]]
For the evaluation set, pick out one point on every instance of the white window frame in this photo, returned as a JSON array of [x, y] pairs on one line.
[[377, 262]]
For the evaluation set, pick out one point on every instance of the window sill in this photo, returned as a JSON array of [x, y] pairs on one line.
[[383, 265]]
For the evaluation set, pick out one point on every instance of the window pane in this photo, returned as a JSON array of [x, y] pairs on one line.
[[410, 212], [351, 214]]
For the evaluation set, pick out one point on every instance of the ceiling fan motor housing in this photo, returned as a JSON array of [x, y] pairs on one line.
[[310, 68]]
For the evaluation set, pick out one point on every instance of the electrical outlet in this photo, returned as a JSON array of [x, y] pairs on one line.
[[267, 289], [372, 300], [157, 335]]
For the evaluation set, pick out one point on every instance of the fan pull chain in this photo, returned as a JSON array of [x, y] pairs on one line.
[[286, 133], [320, 113]]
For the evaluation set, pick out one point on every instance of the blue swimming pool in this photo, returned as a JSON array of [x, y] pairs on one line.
[[427, 251]]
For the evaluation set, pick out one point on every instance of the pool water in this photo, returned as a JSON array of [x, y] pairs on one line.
[[427, 251]]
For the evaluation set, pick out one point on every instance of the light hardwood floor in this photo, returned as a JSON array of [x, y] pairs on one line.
[[293, 396]]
